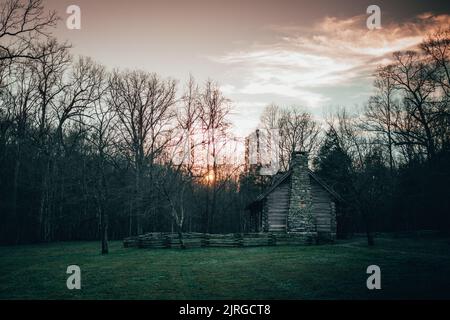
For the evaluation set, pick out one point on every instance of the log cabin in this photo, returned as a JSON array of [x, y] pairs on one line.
[[297, 202]]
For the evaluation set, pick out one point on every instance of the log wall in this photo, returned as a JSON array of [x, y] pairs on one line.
[[277, 208]]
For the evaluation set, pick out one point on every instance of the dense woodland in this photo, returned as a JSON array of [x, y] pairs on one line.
[[88, 153]]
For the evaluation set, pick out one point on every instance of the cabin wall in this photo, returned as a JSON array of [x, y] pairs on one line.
[[277, 206], [323, 211]]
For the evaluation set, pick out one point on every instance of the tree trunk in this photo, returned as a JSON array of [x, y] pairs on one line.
[[43, 206], [369, 234], [15, 218], [104, 231], [180, 237]]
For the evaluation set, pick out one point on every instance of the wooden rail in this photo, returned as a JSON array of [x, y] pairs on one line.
[[160, 240]]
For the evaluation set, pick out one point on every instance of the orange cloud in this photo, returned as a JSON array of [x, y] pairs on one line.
[[332, 53]]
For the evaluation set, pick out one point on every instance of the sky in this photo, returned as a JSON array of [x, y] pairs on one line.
[[315, 55]]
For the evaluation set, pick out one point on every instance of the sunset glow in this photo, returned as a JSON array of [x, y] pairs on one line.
[[209, 177]]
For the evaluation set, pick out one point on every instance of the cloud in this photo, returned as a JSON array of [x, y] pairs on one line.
[[304, 63], [246, 114]]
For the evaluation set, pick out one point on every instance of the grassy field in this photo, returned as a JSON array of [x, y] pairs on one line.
[[410, 269]]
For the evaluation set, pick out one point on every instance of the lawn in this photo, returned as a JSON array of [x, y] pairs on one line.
[[410, 269]]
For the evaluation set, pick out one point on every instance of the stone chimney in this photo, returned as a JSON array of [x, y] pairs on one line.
[[300, 218]]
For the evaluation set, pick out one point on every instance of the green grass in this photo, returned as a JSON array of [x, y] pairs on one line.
[[410, 269]]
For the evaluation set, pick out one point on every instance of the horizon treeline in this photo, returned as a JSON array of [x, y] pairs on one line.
[[87, 153]]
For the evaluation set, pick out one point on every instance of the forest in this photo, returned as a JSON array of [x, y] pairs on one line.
[[89, 153]]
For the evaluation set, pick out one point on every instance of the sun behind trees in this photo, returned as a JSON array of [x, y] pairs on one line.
[[86, 153]]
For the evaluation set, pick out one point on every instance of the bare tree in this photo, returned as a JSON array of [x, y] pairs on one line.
[[414, 78], [270, 117], [383, 112], [102, 139], [83, 89], [81, 100], [215, 109], [437, 48], [21, 100], [144, 105], [298, 131], [22, 22], [49, 68], [173, 181], [188, 120], [437, 51]]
